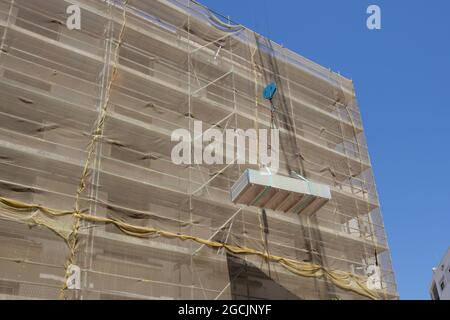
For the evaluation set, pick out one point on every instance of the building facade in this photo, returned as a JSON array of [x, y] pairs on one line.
[[93, 207], [440, 284]]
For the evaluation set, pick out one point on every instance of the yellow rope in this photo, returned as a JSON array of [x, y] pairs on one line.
[[98, 133], [341, 279]]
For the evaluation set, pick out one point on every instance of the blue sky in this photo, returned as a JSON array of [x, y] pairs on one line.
[[402, 79]]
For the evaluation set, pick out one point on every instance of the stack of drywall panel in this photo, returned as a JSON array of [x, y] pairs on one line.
[[279, 193]]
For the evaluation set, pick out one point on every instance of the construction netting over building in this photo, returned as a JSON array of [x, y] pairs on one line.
[[92, 205]]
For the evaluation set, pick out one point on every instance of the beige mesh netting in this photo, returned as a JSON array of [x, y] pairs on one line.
[[87, 179]]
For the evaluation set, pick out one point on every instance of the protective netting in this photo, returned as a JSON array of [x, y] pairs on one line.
[[35, 215], [86, 177]]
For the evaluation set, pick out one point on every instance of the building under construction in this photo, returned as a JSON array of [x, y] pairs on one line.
[[93, 207]]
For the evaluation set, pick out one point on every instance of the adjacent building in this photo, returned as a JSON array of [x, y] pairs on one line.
[[440, 285]]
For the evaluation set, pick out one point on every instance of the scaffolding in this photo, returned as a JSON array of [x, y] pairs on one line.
[[88, 188]]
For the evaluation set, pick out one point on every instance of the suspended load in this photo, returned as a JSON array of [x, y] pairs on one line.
[[275, 192], [269, 91]]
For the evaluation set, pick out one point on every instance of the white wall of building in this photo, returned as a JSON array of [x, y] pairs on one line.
[[440, 285]]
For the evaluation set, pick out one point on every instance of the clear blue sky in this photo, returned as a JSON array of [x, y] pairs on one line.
[[402, 79]]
